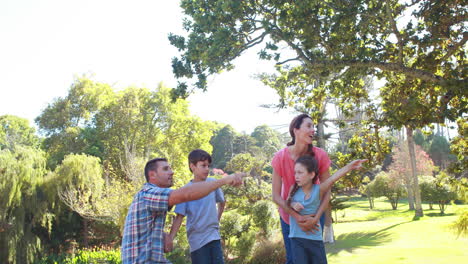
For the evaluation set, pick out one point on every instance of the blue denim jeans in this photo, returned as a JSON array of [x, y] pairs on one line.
[[287, 240], [211, 253], [306, 251]]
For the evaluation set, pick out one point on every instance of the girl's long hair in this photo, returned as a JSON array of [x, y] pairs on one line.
[[296, 123], [311, 165]]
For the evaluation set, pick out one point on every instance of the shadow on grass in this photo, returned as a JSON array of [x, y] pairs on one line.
[[355, 240], [438, 214]]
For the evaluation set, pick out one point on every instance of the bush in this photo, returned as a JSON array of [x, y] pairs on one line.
[[264, 217], [461, 224], [269, 252], [85, 256]]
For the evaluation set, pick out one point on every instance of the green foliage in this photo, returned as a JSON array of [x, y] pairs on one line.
[[367, 189], [16, 131], [267, 139], [87, 256], [461, 224], [254, 190], [223, 148], [24, 196], [390, 187], [437, 190], [264, 217], [338, 204], [428, 189], [268, 252], [361, 38], [23, 204], [459, 147]]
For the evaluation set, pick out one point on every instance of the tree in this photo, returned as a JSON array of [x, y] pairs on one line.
[[63, 121], [367, 189], [388, 186], [96, 120], [81, 187], [267, 139], [421, 57], [459, 147], [401, 168], [440, 152], [24, 198], [326, 35], [428, 190], [16, 131], [223, 146], [443, 192], [24, 207]]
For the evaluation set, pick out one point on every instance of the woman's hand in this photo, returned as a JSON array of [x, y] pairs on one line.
[[309, 223]]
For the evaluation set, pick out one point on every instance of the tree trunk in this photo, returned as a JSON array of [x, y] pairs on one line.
[[320, 134], [409, 189], [412, 154], [85, 232], [371, 202]]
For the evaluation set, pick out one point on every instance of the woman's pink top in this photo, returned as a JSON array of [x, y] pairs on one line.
[[284, 167]]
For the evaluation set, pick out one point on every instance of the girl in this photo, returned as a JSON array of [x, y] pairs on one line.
[[304, 198], [302, 132]]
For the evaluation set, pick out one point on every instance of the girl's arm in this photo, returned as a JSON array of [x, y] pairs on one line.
[[276, 191], [326, 185], [311, 224]]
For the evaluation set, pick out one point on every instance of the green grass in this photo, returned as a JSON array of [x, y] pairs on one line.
[[389, 236]]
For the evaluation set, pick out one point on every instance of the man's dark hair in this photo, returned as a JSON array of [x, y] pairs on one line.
[[198, 155], [152, 165]]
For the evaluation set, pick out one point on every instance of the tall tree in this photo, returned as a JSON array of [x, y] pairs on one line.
[[16, 131], [24, 204], [401, 168], [422, 40], [223, 146]]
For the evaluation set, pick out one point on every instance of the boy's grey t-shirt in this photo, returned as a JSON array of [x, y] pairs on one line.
[[202, 218]]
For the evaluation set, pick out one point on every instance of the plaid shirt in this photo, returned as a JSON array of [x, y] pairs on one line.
[[143, 231]]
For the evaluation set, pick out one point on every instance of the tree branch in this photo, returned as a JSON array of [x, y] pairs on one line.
[[386, 66], [455, 47], [288, 60], [395, 31]]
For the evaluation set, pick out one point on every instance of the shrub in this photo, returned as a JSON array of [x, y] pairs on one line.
[[85, 256]]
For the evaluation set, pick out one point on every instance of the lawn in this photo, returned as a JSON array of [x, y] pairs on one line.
[[384, 235]]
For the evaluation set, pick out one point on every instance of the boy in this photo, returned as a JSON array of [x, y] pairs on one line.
[[143, 238], [202, 215]]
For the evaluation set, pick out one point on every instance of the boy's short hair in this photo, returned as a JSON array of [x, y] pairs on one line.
[[198, 155], [152, 165]]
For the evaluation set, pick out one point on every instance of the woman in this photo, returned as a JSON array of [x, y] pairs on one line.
[[302, 131]]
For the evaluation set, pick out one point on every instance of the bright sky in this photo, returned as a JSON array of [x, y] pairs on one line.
[[45, 43]]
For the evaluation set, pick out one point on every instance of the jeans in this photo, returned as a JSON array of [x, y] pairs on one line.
[[306, 251], [287, 240], [211, 253]]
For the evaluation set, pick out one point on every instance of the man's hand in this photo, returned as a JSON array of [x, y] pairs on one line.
[[297, 206], [356, 164], [309, 223], [168, 242], [235, 179]]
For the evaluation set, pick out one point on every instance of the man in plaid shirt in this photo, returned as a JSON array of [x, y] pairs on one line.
[[143, 238]]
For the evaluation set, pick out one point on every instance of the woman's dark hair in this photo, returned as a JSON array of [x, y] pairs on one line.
[[311, 165], [296, 123]]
